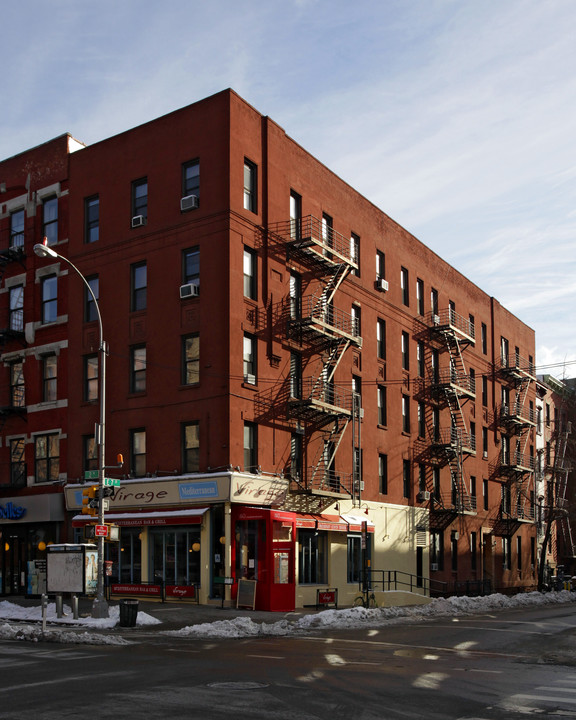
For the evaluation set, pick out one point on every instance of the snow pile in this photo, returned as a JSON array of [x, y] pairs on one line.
[[358, 617]]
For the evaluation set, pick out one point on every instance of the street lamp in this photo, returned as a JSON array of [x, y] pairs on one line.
[[100, 606]]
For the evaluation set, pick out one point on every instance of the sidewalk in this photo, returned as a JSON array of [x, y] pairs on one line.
[[173, 615]]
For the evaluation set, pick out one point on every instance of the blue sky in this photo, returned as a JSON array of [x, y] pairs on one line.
[[455, 117]]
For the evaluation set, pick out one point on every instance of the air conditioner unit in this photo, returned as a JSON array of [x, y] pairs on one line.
[[485, 454], [138, 221], [456, 535], [381, 284], [250, 379], [433, 567], [436, 319], [189, 290], [424, 495], [190, 202]]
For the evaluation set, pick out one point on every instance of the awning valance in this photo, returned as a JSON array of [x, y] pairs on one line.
[[166, 517]]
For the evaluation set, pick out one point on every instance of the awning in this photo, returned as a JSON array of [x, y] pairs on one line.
[[333, 523], [166, 517], [356, 522]]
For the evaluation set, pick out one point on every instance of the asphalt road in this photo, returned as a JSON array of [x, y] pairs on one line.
[[510, 664]]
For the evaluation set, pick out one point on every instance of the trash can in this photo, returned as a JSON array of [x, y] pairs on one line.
[[128, 613]]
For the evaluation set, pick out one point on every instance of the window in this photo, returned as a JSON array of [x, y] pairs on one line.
[[405, 413], [250, 447], [420, 296], [191, 266], [295, 215], [191, 359], [140, 199], [473, 491], [90, 378], [382, 406], [17, 395], [49, 378], [381, 339], [296, 456], [437, 550], [249, 359], [137, 368], [434, 306], [50, 220], [406, 483], [473, 435], [473, 381], [421, 420], [356, 316], [383, 473], [191, 178], [49, 299], [91, 219], [90, 309], [506, 553], [380, 265], [355, 253], [421, 478], [473, 552], [327, 232], [250, 186], [357, 390], [484, 390], [405, 351], [191, 447], [295, 296], [139, 285], [405, 287], [47, 458], [250, 274], [312, 557], [484, 338], [138, 452], [17, 308], [436, 484], [17, 462], [519, 554], [17, 229], [504, 351], [354, 556], [454, 551], [295, 375], [420, 358], [89, 453]]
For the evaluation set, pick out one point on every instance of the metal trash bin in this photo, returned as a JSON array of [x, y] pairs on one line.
[[128, 613]]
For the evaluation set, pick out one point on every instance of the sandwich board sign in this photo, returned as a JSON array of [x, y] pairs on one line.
[[72, 568]]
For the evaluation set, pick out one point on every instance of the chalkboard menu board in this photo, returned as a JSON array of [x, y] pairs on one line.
[[246, 594]]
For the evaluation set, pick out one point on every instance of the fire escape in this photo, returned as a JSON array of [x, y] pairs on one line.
[[321, 409], [557, 473], [451, 386], [515, 417]]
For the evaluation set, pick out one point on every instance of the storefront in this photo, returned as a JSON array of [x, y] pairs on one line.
[[28, 524]]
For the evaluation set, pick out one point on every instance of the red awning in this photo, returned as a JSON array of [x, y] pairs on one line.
[[167, 517], [334, 523]]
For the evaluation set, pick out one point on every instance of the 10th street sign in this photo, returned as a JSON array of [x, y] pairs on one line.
[[111, 482]]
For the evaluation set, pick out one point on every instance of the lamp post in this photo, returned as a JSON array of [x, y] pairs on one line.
[[100, 605]]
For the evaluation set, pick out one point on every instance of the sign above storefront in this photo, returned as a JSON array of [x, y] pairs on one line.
[[189, 490]]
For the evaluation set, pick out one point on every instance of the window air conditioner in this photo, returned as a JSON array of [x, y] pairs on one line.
[[381, 284], [424, 495], [433, 567], [485, 454], [190, 202], [436, 319], [138, 220], [189, 290], [250, 379]]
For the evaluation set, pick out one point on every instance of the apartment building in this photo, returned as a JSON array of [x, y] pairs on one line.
[[306, 396]]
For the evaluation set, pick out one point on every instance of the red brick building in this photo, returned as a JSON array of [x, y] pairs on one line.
[[300, 388]]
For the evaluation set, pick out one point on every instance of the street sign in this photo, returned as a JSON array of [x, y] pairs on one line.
[[111, 482], [101, 530], [91, 475]]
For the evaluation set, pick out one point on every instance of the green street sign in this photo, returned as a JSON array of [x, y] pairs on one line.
[[91, 475], [111, 482]]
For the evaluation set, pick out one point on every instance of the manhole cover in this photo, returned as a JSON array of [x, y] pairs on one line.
[[238, 685]]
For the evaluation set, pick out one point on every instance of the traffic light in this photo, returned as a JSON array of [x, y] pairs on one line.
[[89, 501]]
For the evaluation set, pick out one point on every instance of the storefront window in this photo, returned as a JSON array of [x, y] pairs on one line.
[[312, 557], [354, 558], [247, 549], [282, 567], [175, 556]]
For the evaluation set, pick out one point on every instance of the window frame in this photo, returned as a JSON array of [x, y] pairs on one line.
[[50, 224], [191, 361], [50, 460], [138, 289], [137, 459], [191, 450], [191, 183], [250, 269], [91, 382], [49, 364], [49, 290], [250, 182], [91, 219], [138, 363], [17, 229], [138, 200]]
